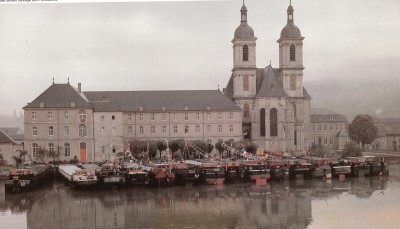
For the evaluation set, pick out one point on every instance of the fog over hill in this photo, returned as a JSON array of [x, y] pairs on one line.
[[351, 97]]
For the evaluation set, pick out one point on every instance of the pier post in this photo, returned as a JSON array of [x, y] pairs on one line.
[[2, 194]]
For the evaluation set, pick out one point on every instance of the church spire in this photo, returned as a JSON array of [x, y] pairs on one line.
[[243, 12], [290, 12]]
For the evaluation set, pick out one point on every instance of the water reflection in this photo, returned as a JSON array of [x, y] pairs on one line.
[[278, 205]]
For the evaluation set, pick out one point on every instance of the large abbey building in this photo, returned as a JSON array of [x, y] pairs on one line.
[[275, 104], [268, 106]]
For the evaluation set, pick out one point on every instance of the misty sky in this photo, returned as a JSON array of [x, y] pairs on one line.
[[185, 45]]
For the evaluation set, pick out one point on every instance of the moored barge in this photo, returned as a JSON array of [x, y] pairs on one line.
[[78, 177], [27, 178]]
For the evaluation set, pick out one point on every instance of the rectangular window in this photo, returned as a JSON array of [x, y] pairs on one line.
[[319, 127], [231, 128], [51, 131], [208, 128], [34, 131], [34, 115], [103, 130], [186, 129], [152, 116], [102, 118], [245, 82], [152, 129], [141, 130], [186, 116], [331, 127], [331, 141], [325, 141], [103, 149], [141, 116], [219, 116], [67, 150], [337, 127], [66, 130], [66, 115], [113, 148], [230, 116], [164, 116], [129, 130], [209, 141], [113, 117], [164, 129], [197, 128], [175, 117], [325, 127], [129, 117], [219, 128], [208, 116], [313, 127], [50, 115], [51, 147], [175, 129], [197, 116], [113, 130]]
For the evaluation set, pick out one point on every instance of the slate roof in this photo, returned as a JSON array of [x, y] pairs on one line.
[[268, 84], [11, 130], [5, 139], [388, 126], [320, 115], [132, 101], [60, 96]]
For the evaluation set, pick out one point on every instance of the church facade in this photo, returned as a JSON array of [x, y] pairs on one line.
[[274, 102]]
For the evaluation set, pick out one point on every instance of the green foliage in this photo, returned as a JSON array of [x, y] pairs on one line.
[[153, 148], [317, 151], [161, 146], [362, 130], [351, 150], [1, 156], [247, 145], [137, 147], [218, 146], [210, 148], [19, 159]]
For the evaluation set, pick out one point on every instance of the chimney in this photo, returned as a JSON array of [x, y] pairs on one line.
[[79, 88]]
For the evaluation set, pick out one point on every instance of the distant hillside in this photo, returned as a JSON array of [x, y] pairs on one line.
[[350, 98], [12, 121]]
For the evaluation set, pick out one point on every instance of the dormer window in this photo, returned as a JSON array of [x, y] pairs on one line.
[[41, 104], [163, 108], [208, 108], [140, 108], [186, 108], [72, 104], [245, 53]]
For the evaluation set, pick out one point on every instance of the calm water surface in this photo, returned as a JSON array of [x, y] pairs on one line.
[[352, 203]]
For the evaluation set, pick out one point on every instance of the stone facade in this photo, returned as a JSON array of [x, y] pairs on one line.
[[96, 126], [276, 107], [328, 129], [388, 134]]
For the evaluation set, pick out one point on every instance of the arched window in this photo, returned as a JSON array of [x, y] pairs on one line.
[[245, 53], [34, 131], [295, 137], [35, 148], [273, 115], [67, 150], [245, 82], [82, 116], [262, 122], [82, 130], [292, 53], [246, 110], [293, 82]]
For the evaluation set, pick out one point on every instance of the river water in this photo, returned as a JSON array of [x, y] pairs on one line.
[[353, 203]]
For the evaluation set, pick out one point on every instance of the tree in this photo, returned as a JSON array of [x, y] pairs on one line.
[[161, 146], [317, 150], [351, 150], [362, 130], [55, 155], [218, 146], [210, 147], [41, 154], [202, 145], [19, 159]]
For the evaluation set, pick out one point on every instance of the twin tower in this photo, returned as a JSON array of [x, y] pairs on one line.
[[276, 107]]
